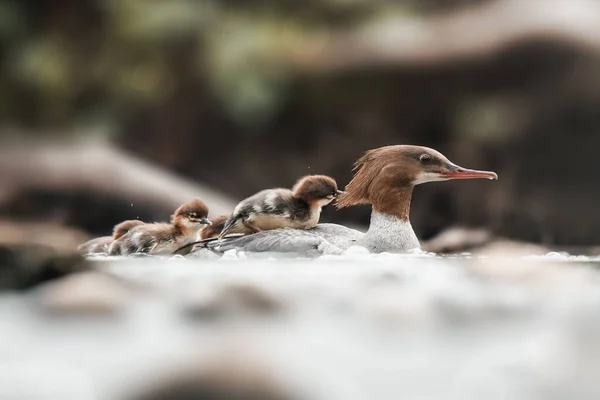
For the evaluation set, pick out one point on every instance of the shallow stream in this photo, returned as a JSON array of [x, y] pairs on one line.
[[349, 327]]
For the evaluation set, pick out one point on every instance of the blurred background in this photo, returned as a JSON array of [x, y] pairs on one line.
[[113, 109]]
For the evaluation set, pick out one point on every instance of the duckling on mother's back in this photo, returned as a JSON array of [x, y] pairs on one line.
[[298, 208]]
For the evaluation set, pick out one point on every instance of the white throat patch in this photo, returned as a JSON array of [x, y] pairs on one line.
[[389, 234], [425, 177]]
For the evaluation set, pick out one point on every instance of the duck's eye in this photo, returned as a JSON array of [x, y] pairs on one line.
[[425, 158]]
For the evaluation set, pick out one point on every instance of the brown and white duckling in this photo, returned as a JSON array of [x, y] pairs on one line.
[[214, 229], [298, 208], [164, 238], [210, 233], [100, 245]]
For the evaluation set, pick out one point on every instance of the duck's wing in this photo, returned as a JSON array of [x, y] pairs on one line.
[[323, 239], [278, 240], [277, 243], [340, 235]]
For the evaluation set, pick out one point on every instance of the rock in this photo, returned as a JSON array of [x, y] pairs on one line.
[[509, 248], [45, 234], [89, 293], [23, 266], [455, 240], [537, 275], [223, 381], [234, 299]]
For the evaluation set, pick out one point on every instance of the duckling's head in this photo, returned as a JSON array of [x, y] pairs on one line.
[[215, 228], [316, 189], [192, 215]]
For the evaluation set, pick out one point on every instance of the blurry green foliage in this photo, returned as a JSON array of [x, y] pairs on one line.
[[68, 62], [491, 119]]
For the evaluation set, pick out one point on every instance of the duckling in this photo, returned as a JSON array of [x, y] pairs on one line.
[[210, 233], [298, 208], [100, 245], [214, 229], [164, 238], [124, 227]]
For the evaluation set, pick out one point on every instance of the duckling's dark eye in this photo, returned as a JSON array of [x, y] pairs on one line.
[[425, 158]]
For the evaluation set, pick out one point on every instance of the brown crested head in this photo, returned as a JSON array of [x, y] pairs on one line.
[[213, 230], [385, 177], [194, 211], [313, 188], [124, 227]]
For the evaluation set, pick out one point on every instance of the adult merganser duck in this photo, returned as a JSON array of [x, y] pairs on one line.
[[164, 238], [384, 178], [100, 245], [270, 209]]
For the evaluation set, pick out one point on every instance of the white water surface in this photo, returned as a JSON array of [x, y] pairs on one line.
[[351, 327]]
